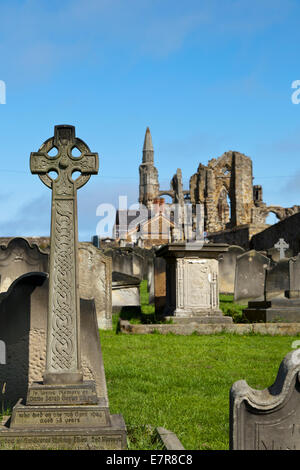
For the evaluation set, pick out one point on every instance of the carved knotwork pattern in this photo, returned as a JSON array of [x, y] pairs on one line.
[[63, 328]]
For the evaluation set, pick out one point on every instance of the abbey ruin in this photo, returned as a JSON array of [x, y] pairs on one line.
[[224, 187]]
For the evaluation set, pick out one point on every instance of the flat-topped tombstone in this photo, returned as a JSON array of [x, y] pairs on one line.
[[19, 257], [192, 282], [277, 279], [267, 419], [227, 265], [250, 276], [88, 423], [95, 282]]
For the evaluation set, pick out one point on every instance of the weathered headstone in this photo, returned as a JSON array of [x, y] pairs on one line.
[[192, 282], [294, 277], [227, 265], [23, 325], [268, 419], [277, 279], [64, 411], [19, 257], [282, 295], [250, 276], [95, 282], [282, 246]]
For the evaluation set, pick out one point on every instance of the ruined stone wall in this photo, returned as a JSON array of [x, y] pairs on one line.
[[225, 189]]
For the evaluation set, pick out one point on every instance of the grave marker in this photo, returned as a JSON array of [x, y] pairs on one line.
[[87, 423], [282, 246]]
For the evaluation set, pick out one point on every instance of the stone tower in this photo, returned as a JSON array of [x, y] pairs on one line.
[[149, 186]]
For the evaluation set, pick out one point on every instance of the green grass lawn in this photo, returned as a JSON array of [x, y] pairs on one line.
[[182, 382]]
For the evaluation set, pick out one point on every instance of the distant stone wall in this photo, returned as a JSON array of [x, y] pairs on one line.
[[289, 229], [237, 236]]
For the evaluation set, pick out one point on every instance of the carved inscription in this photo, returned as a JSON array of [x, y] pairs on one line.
[[61, 396], [61, 417], [104, 442], [278, 437]]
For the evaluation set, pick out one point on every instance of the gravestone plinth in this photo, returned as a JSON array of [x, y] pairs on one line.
[[267, 419], [192, 290], [64, 411]]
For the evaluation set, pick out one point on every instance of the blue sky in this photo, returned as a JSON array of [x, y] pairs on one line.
[[205, 76]]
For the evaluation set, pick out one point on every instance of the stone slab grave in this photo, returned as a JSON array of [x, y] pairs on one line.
[[250, 277], [51, 418], [268, 419], [95, 282], [227, 266], [192, 292], [125, 291], [282, 295]]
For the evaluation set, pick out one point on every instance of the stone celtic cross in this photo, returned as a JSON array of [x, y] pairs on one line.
[[281, 245], [63, 363]]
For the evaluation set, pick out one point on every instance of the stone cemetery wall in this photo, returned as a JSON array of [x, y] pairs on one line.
[[227, 265], [23, 320], [250, 276], [289, 229]]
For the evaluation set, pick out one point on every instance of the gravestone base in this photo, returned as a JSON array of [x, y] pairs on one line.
[[112, 437], [63, 417], [275, 310], [203, 319]]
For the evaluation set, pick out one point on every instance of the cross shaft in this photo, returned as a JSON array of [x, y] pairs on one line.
[[63, 362]]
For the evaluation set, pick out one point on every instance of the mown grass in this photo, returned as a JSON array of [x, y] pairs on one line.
[[229, 308], [182, 382]]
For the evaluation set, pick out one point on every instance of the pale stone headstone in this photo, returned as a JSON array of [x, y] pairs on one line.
[[250, 276], [267, 419], [95, 282], [227, 265], [64, 411]]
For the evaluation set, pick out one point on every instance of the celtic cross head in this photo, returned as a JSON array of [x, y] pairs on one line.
[[65, 162]]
